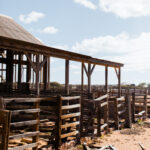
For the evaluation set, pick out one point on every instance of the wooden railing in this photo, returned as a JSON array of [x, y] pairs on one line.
[[139, 106], [95, 116], [24, 115]]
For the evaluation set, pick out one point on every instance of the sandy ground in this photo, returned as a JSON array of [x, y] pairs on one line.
[[128, 139]]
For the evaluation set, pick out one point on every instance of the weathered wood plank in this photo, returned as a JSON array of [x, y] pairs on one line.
[[25, 123], [69, 134], [24, 147], [70, 106], [28, 134], [70, 124], [70, 115], [70, 98], [101, 97], [25, 111]]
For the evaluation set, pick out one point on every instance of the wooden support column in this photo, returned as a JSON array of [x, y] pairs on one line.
[[45, 75], [19, 70], [28, 80], [106, 79], [82, 76], [9, 70], [119, 82], [67, 76], [48, 72], [37, 76], [89, 78], [36, 69]]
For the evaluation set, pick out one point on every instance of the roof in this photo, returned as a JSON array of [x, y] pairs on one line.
[[9, 28], [11, 32]]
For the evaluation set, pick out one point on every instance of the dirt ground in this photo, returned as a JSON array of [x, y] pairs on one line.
[[126, 139]]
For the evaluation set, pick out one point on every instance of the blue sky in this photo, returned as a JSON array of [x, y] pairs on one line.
[[117, 30]]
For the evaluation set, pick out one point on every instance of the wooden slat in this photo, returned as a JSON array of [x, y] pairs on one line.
[[104, 104], [121, 98], [121, 105], [121, 112], [21, 100], [70, 107], [70, 115], [25, 111], [101, 97], [142, 112], [103, 126], [70, 124], [48, 108], [70, 98], [28, 134], [25, 123], [24, 147], [69, 134]]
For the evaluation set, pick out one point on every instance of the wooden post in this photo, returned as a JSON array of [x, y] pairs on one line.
[[19, 70], [45, 75], [133, 106], [119, 83], [128, 111], [82, 76], [48, 72], [116, 114], [28, 71], [145, 104], [67, 76], [37, 76], [89, 78], [58, 123], [106, 79], [9, 70]]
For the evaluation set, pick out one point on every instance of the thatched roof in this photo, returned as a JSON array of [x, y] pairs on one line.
[[10, 29]]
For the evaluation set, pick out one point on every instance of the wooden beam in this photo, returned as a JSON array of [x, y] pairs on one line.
[[29, 71], [82, 76], [37, 76], [19, 71], [92, 69], [106, 79], [48, 71], [23, 46], [67, 76], [45, 75], [119, 82], [89, 78], [9, 70]]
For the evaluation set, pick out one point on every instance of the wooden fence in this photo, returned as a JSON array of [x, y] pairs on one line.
[[139, 106], [94, 116]]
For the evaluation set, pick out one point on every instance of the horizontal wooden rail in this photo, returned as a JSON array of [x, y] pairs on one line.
[[101, 97], [69, 134], [121, 105], [29, 134], [70, 107], [70, 98], [25, 111], [70, 115], [24, 147], [121, 112], [25, 123], [103, 126], [121, 98], [104, 104], [70, 124]]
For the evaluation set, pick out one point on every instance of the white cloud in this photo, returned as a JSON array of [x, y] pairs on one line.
[[49, 30], [46, 30], [86, 3], [31, 17], [126, 8], [133, 51]]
